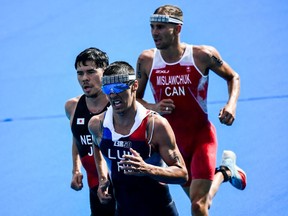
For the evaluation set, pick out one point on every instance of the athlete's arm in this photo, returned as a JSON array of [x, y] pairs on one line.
[[77, 176], [95, 128], [164, 141], [211, 60], [143, 67]]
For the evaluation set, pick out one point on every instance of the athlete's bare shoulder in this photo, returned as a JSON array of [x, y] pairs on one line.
[[96, 122], [70, 106], [205, 57], [144, 63], [146, 54], [204, 51], [160, 123]]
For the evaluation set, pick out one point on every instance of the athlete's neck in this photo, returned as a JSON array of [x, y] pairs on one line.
[[123, 122], [96, 104], [173, 53]]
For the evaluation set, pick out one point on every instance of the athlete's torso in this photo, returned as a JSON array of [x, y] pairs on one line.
[[135, 195], [83, 137], [185, 85]]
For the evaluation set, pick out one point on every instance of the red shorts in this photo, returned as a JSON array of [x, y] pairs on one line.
[[199, 150]]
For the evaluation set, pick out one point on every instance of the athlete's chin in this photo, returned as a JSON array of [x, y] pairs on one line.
[[157, 43], [90, 95], [160, 46], [118, 110]]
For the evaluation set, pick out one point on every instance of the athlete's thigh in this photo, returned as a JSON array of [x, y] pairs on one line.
[[204, 157]]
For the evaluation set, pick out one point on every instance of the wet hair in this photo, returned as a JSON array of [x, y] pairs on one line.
[[119, 68], [170, 10], [99, 57]]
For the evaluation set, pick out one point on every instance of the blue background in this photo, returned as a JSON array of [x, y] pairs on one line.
[[39, 41]]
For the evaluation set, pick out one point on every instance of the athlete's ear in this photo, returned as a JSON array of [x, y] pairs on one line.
[[135, 85], [178, 28]]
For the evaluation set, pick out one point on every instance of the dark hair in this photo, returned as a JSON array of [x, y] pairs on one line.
[[170, 10], [99, 57], [119, 67]]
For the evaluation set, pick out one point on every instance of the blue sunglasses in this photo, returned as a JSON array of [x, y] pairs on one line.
[[115, 88]]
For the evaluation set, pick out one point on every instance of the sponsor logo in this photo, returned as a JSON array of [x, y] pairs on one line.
[[162, 71], [124, 144]]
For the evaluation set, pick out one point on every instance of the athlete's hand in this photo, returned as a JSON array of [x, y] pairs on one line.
[[76, 182], [165, 106], [103, 193], [134, 164], [227, 115]]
